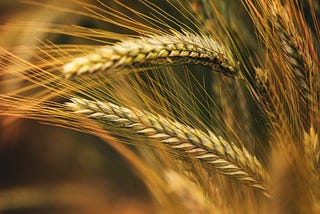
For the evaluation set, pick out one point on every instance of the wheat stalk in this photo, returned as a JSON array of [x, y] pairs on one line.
[[156, 49], [226, 158]]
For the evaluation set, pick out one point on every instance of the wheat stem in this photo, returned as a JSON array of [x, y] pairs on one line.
[[225, 157], [169, 48]]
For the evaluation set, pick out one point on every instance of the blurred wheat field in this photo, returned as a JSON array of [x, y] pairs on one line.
[[188, 106]]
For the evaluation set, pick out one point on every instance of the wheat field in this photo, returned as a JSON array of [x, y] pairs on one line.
[[186, 106]]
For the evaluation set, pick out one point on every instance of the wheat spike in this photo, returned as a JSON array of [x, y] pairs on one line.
[[312, 149], [188, 193], [271, 102], [291, 43], [175, 47], [227, 158]]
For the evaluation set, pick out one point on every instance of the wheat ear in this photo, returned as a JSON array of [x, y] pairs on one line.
[[175, 47], [271, 102], [187, 192], [298, 60], [312, 149], [226, 157]]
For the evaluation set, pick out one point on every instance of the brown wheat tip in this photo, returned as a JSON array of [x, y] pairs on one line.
[[157, 49], [225, 157]]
